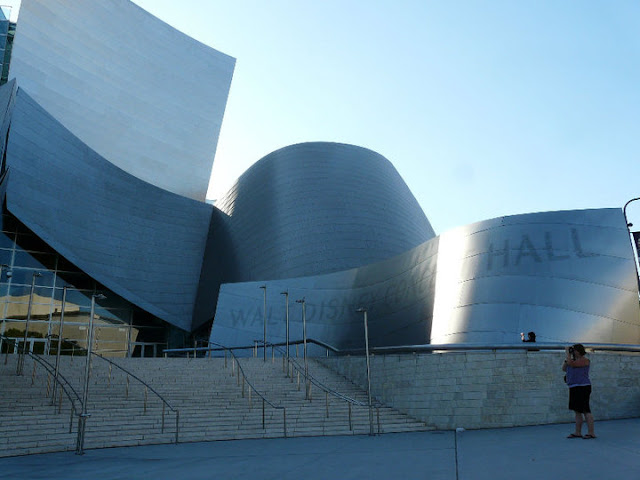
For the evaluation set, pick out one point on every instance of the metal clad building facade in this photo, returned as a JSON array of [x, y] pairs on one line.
[[110, 130], [141, 94], [316, 208], [142, 242], [569, 276]]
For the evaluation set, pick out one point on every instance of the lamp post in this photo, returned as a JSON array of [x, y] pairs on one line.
[[82, 419], [60, 330], [286, 297], [264, 321], [366, 346], [26, 327], [6, 267], [304, 345], [635, 247]]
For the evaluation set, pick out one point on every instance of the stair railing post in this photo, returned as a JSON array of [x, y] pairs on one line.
[[177, 424], [286, 298], [85, 393], [284, 421], [26, 326], [366, 343], [60, 331], [264, 323]]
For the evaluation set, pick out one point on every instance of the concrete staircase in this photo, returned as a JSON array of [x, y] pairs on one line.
[[214, 404]]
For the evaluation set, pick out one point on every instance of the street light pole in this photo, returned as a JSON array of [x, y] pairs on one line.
[[60, 330], [366, 345], [635, 246], [286, 297], [304, 344], [26, 327], [82, 419], [264, 334]]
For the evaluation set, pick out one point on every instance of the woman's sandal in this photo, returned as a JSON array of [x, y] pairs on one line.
[[573, 435], [588, 436]]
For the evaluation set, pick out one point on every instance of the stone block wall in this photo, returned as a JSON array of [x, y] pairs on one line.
[[494, 389]]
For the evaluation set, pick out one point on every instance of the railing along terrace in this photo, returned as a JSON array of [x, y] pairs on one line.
[[147, 388], [241, 376], [58, 379], [300, 370], [293, 364]]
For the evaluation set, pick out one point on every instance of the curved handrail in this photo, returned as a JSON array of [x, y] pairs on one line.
[[65, 384], [316, 382], [613, 347], [329, 391], [350, 401], [147, 387], [251, 386]]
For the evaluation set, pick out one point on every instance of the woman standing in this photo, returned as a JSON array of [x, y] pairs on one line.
[[576, 365]]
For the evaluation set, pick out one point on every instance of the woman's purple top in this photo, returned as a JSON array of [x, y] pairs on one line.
[[578, 376]]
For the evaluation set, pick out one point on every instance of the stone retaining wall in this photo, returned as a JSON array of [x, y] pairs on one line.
[[494, 389]]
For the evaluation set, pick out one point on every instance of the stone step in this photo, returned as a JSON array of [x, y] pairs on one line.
[[208, 396]]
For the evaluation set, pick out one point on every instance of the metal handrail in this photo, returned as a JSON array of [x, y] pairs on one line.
[[329, 391], [65, 384], [614, 347], [147, 388], [530, 346], [251, 386], [308, 377], [316, 382], [220, 347]]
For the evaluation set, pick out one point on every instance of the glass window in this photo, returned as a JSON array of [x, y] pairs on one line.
[[78, 281], [6, 240], [5, 259], [37, 260], [32, 243], [65, 265], [75, 299], [21, 276]]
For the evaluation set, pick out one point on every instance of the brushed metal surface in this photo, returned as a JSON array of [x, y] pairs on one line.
[[319, 207], [142, 242], [141, 94], [569, 276]]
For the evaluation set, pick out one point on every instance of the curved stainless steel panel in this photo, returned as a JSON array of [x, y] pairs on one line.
[[398, 294], [569, 276], [141, 94], [316, 208], [142, 242]]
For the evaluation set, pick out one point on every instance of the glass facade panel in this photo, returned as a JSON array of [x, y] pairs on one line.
[[28, 241], [37, 260], [114, 334], [6, 240], [23, 276], [76, 280]]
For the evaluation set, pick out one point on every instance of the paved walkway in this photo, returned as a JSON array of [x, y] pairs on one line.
[[522, 453]]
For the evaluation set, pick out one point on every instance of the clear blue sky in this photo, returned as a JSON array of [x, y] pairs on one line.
[[486, 108]]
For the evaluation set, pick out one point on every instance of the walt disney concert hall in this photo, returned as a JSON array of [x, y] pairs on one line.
[[107, 150]]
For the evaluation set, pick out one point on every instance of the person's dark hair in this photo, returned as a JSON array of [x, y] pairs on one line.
[[578, 347], [532, 336]]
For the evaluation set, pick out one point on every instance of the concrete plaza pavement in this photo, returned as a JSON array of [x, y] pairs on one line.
[[535, 452]]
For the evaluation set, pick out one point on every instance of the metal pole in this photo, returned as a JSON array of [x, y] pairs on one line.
[[85, 393], [366, 346], [304, 345], [634, 246], [286, 297], [60, 330], [26, 327], [264, 321]]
